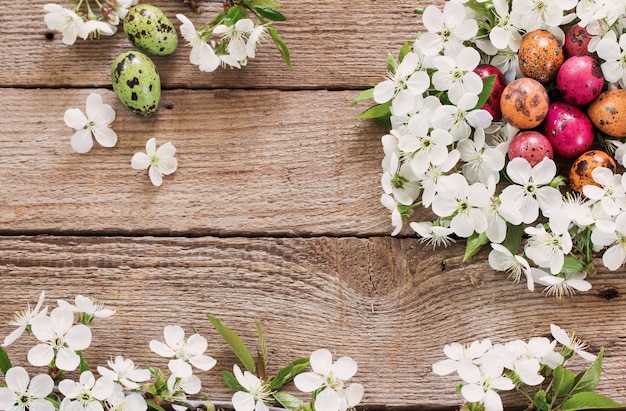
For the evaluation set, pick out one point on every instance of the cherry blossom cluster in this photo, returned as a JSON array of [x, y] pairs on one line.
[[75, 22], [445, 153], [537, 368], [63, 334], [231, 38], [235, 45]]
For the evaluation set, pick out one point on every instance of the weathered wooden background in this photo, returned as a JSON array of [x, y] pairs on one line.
[[273, 213]]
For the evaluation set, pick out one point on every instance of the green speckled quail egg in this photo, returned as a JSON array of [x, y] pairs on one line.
[[149, 29], [136, 82]]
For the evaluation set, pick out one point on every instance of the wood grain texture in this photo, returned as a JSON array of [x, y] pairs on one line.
[[273, 213], [333, 44], [295, 166], [386, 302]]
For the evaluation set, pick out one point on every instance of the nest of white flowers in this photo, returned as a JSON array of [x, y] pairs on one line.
[[58, 337], [506, 120]]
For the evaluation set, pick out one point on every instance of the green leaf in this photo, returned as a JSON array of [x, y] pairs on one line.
[[588, 401], [404, 50], [571, 265], [540, 401], [288, 373], [154, 405], [262, 3], [235, 342], [261, 356], [288, 401], [5, 362], [392, 64], [270, 13], [231, 381], [218, 19], [234, 14], [474, 244], [514, 235], [83, 366], [365, 95], [588, 379], [377, 111], [488, 83], [563, 381], [280, 44]]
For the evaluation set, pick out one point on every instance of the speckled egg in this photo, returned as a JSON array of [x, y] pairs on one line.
[[608, 112], [149, 29], [580, 80], [530, 145], [580, 172], [569, 130], [576, 40], [540, 55], [136, 82], [524, 103]]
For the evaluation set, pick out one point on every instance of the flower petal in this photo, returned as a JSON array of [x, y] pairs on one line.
[[308, 381], [155, 176], [40, 355], [242, 401], [105, 136], [140, 161], [67, 359], [41, 385], [327, 400], [75, 118], [344, 368], [82, 141]]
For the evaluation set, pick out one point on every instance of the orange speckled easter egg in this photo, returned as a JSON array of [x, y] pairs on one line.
[[524, 103], [540, 55], [608, 112], [580, 172]]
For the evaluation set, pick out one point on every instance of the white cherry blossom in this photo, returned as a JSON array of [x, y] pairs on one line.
[[23, 320], [614, 256], [253, 399], [611, 194], [432, 234], [461, 356], [530, 191], [96, 123], [463, 202], [502, 259], [484, 382], [183, 351], [562, 284], [546, 249], [202, 54], [328, 378], [571, 342], [482, 162], [65, 21], [455, 72], [88, 306], [60, 339], [22, 393], [402, 86], [453, 26], [124, 371], [86, 394], [613, 52], [159, 162]]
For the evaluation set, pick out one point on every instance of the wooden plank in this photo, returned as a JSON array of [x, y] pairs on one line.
[[333, 45], [256, 162], [386, 302]]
